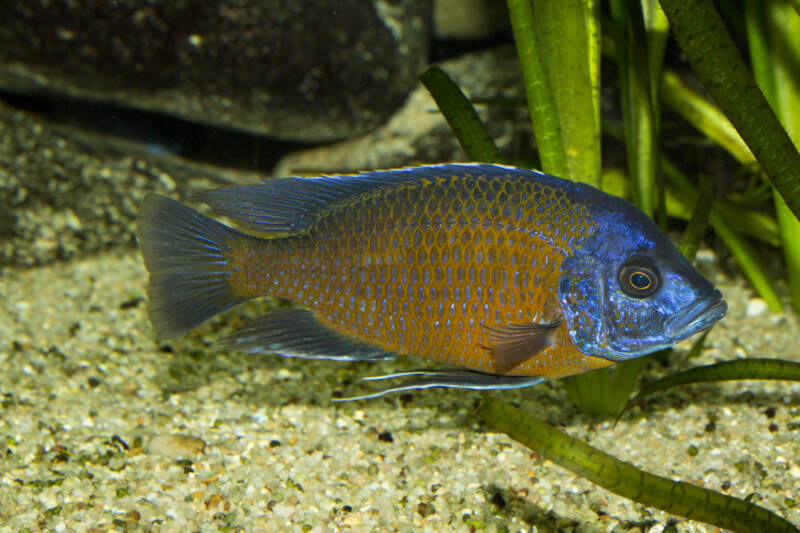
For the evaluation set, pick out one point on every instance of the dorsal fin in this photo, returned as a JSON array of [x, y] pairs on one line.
[[287, 206]]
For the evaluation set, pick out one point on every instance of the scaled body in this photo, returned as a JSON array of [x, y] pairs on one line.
[[493, 269]]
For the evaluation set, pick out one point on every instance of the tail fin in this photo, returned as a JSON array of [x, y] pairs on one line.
[[185, 253]]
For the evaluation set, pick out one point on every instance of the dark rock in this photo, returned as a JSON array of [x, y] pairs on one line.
[[294, 69], [418, 133]]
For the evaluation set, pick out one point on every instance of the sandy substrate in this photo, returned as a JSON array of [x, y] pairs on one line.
[[102, 429]]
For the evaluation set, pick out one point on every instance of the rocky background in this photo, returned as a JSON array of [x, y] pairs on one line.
[[103, 101]]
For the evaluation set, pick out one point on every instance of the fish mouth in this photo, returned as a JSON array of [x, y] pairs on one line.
[[696, 317]]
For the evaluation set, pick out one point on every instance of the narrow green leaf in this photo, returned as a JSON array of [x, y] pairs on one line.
[[657, 27], [702, 35], [745, 255], [622, 478], [746, 221], [697, 110], [461, 116], [604, 392], [727, 371], [680, 194], [541, 97], [697, 346], [773, 31], [759, 47], [571, 31], [704, 116], [637, 108], [569, 38], [790, 236], [748, 259], [698, 223]]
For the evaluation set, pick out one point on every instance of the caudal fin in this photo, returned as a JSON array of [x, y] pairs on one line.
[[185, 253]]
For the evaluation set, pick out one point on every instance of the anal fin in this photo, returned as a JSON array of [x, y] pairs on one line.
[[294, 332], [512, 344]]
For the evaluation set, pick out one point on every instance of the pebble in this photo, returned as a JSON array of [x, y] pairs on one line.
[[755, 307], [176, 445], [283, 510], [705, 255]]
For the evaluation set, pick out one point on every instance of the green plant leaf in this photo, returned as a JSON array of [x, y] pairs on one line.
[[773, 31], [622, 478], [703, 37], [748, 260], [639, 124], [698, 223], [558, 43], [538, 90], [739, 247], [727, 371], [743, 220], [461, 116], [695, 109], [569, 34], [657, 28], [704, 116], [604, 392]]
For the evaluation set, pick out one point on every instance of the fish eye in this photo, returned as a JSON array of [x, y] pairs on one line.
[[638, 277]]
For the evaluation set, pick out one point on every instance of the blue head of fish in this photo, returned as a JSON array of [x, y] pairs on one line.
[[628, 291]]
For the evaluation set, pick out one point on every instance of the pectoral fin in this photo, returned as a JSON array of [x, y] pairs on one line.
[[512, 344]]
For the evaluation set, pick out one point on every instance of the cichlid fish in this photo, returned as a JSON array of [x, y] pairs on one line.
[[510, 275]]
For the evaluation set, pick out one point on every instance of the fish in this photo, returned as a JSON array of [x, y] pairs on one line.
[[506, 276]]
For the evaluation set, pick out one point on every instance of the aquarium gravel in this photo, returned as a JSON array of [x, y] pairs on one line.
[[103, 429]]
